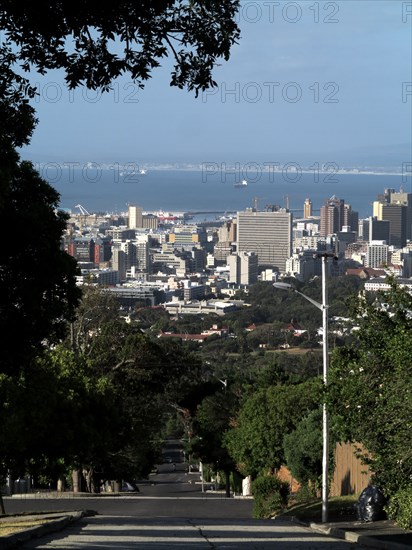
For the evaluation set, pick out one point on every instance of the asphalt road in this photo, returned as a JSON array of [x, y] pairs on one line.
[[170, 512]]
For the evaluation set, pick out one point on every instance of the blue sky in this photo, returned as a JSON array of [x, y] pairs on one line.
[[308, 82]]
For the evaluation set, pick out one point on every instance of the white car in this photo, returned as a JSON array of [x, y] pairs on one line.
[[129, 488]]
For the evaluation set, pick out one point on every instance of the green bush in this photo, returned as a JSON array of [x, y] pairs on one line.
[[400, 508], [306, 493], [270, 496]]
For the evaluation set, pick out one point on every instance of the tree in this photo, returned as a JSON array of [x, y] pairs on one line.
[[256, 440], [211, 421], [96, 43], [144, 377], [370, 395], [37, 278], [52, 414], [303, 450]]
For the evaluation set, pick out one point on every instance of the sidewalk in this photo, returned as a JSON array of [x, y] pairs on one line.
[[383, 535]]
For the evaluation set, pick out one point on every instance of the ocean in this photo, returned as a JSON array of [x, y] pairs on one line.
[[112, 189]]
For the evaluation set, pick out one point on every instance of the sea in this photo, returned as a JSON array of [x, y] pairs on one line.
[[207, 193]]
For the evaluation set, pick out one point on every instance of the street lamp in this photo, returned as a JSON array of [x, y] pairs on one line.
[[325, 421]]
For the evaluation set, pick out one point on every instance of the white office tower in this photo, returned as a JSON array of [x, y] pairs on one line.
[[376, 254], [135, 217], [268, 234], [243, 268]]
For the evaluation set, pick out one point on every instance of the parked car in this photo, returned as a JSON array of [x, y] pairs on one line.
[[129, 487]]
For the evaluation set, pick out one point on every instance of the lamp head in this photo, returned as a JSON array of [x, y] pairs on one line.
[[283, 286]]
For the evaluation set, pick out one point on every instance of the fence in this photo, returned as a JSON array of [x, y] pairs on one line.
[[350, 475]]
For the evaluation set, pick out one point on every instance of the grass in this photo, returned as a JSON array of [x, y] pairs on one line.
[[340, 509], [11, 525]]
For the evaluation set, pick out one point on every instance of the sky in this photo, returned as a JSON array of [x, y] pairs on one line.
[[309, 82]]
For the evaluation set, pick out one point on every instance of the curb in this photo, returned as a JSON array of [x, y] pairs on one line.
[[16, 539], [348, 535], [358, 538]]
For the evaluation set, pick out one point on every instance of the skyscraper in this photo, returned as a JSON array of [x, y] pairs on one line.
[[331, 216], [404, 199], [396, 214], [350, 218], [243, 268], [379, 230], [307, 208], [268, 234], [135, 217]]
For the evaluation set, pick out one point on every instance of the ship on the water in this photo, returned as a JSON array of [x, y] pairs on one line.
[[241, 185]]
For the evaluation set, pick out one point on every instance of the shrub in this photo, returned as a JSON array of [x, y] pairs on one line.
[[270, 496], [400, 508], [306, 493]]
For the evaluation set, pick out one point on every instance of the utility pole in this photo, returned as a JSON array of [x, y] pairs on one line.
[[325, 420]]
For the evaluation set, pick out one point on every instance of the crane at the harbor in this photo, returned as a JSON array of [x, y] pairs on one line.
[[255, 202], [82, 209], [83, 216]]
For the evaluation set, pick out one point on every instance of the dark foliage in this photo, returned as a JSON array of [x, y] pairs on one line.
[[95, 42]]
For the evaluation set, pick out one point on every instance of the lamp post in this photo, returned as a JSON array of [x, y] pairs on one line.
[[325, 420]]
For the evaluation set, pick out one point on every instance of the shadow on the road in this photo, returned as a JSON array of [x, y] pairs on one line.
[[128, 532]]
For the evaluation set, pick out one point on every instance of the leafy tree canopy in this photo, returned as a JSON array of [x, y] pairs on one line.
[[303, 449], [211, 422], [370, 388], [256, 440], [96, 43]]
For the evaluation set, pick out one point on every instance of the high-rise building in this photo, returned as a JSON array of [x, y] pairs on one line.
[[331, 216], [396, 214], [363, 230], [378, 230], [268, 234], [150, 221], [376, 254], [187, 235], [227, 232], [81, 248], [135, 217], [350, 218], [135, 254], [102, 250], [243, 268], [307, 208], [119, 262], [404, 199]]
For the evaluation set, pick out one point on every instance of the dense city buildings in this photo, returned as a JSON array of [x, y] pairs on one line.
[[151, 258]]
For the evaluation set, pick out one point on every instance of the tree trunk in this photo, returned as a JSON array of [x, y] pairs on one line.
[[88, 476], [2, 510], [60, 484], [76, 478], [227, 483]]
